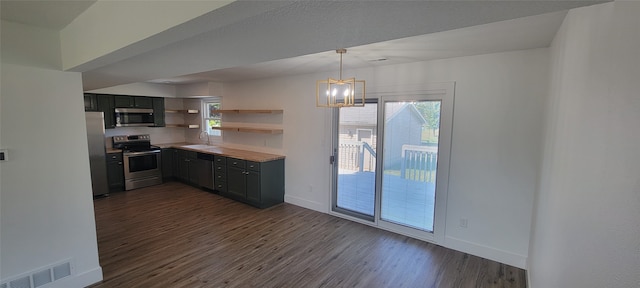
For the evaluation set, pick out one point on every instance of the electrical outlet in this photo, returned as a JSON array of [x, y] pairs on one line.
[[464, 222]]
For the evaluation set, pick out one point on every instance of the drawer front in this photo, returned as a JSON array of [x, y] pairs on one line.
[[114, 157], [220, 169], [233, 162], [220, 173], [187, 154], [221, 160], [221, 186], [220, 177], [254, 166]]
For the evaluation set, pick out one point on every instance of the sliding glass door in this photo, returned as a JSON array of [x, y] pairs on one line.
[[392, 161], [355, 161], [410, 163]]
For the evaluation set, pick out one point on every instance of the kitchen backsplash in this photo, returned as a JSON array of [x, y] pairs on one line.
[[158, 135]]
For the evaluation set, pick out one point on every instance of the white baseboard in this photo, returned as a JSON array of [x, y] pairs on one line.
[[83, 279], [320, 207], [490, 253]]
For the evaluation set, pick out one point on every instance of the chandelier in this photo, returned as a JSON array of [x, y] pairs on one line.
[[340, 93]]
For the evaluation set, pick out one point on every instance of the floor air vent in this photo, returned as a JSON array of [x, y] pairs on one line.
[[41, 277]]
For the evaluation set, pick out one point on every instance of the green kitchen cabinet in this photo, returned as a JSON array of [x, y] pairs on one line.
[[124, 101], [168, 162], [90, 102], [187, 167], [220, 173], [115, 172], [105, 104], [158, 111], [236, 177], [260, 184]]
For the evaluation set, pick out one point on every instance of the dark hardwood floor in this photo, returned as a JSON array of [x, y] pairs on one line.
[[174, 235]]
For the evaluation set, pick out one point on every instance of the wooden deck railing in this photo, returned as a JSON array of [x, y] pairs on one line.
[[419, 163], [358, 156]]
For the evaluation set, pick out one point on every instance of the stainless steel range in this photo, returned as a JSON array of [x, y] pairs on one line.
[[142, 166]]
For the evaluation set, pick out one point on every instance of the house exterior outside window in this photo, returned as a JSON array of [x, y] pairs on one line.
[[210, 118]]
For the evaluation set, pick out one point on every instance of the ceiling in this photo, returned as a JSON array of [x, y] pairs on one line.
[[50, 14], [296, 37], [517, 34]]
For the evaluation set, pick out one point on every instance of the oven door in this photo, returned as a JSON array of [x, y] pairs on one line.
[[142, 166]]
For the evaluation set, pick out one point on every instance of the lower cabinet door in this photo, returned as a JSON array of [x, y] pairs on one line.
[[115, 175], [182, 169], [236, 182], [194, 174], [253, 187], [167, 162]]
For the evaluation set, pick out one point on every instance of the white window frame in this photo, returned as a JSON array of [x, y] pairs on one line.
[[214, 135]]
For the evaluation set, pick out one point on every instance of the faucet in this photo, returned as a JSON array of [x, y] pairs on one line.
[[203, 132]]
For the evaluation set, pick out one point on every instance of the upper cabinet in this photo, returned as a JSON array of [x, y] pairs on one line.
[[107, 103], [158, 111], [90, 102], [123, 101]]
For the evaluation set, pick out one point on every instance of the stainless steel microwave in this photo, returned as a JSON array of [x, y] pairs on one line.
[[126, 117]]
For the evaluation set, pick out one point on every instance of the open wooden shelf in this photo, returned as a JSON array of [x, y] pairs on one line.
[[262, 111], [250, 129]]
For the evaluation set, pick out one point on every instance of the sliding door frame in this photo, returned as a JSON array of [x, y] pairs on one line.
[[334, 172], [443, 92]]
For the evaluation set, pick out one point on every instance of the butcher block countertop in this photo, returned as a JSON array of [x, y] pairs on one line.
[[224, 151]]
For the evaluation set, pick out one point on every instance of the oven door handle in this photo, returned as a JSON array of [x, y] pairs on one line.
[[141, 153]]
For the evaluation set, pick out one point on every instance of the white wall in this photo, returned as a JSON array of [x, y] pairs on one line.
[[495, 152], [587, 217], [46, 204], [46, 200], [25, 45]]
